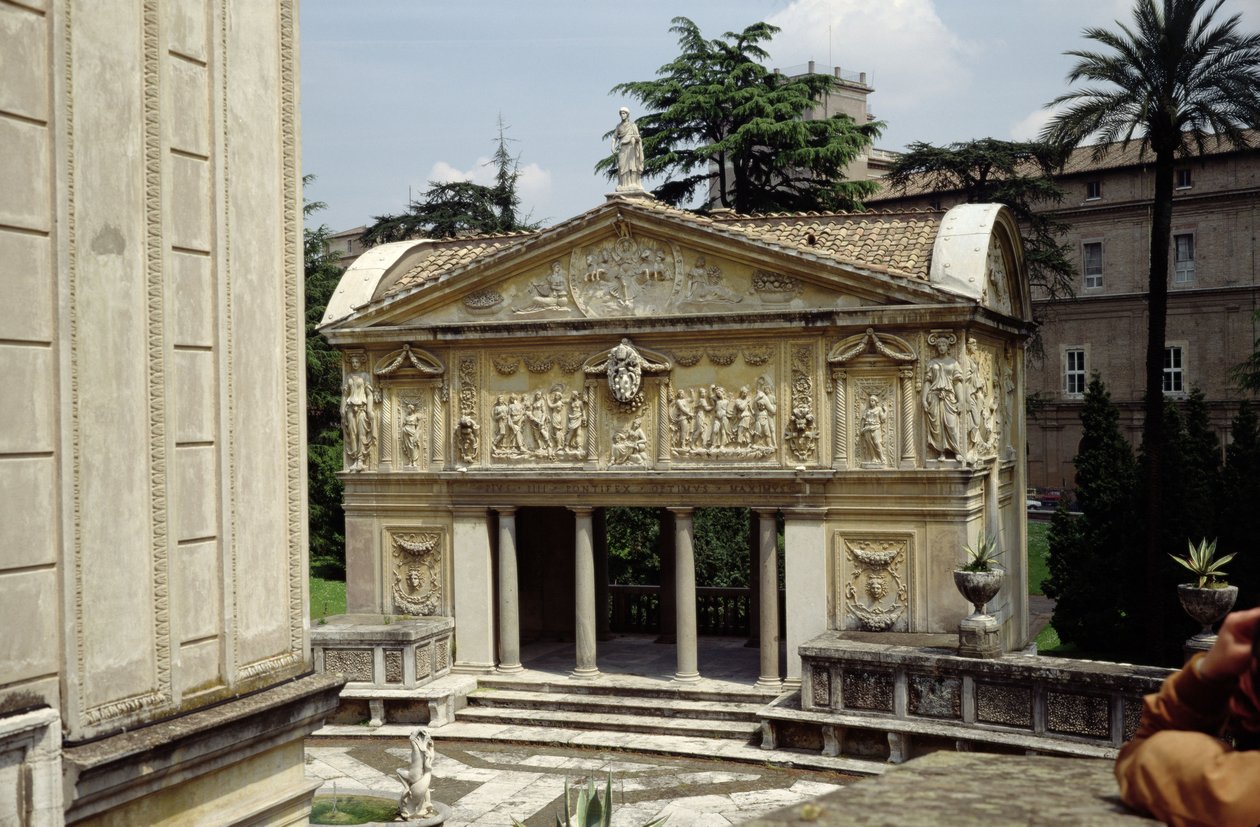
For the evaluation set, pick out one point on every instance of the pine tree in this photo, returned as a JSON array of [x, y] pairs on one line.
[[722, 125]]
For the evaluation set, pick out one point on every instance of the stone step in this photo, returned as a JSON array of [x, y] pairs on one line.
[[717, 748], [622, 687], [616, 705], [644, 724]]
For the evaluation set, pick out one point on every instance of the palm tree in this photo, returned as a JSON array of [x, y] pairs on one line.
[[1175, 81]]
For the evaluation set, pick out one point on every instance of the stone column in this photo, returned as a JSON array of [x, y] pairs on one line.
[[584, 594], [685, 595], [768, 586], [509, 603], [805, 575], [474, 591]]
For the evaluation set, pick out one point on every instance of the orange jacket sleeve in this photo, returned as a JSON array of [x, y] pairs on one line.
[[1177, 770]]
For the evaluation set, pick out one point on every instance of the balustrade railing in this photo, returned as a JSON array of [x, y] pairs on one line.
[[719, 610]]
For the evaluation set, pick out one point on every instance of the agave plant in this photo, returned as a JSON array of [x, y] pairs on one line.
[[591, 810], [983, 557], [1202, 563]]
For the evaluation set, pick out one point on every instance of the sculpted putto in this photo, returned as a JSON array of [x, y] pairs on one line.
[[416, 801]]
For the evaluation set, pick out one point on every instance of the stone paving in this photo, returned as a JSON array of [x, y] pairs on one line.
[[492, 784]]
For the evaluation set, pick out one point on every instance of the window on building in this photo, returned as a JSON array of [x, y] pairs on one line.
[[1093, 190], [1174, 369], [1183, 258], [1093, 264], [1184, 179], [1074, 372], [349, 245]]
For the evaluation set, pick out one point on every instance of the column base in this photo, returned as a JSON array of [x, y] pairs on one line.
[[473, 668], [686, 677], [791, 684], [507, 668], [589, 673], [768, 684]]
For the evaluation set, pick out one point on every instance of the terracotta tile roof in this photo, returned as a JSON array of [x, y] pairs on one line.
[[443, 256], [894, 242], [1082, 160]]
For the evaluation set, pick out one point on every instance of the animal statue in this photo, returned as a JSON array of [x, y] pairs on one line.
[[416, 800]]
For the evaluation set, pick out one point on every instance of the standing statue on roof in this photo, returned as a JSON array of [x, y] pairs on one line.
[[628, 147]]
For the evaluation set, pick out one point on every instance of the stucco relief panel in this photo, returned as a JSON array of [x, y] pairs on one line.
[[873, 576], [417, 569]]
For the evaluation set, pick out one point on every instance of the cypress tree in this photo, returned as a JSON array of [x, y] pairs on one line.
[[1088, 554]]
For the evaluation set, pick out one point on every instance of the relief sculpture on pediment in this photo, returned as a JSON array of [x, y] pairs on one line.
[[624, 276]]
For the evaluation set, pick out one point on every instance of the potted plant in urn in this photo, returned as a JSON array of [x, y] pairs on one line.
[[1209, 598], [978, 581]]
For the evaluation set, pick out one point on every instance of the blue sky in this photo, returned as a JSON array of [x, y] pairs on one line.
[[396, 93]]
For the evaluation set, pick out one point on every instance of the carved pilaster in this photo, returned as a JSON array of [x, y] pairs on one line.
[[592, 422], [662, 423], [907, 416], [437, 425], [840, 425], [386, 460], [467, 430]]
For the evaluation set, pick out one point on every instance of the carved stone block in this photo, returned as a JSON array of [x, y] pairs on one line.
[[870, 690], [935, 697], [355, 664], [443, 661], [393, 666], [1004, 704], [1132, 717], [980, 636], [820, 680], [1073, 714], [424, 661]]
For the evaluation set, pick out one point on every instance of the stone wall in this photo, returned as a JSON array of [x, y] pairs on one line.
[[152, 486]]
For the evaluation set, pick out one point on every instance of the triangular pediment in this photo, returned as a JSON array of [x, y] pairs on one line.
[[630, 259]]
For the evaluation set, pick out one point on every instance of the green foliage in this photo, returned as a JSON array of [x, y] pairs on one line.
[[1088, 554], [1201, 475], [721, 546], [454, 208], [633, 545], [1240, 494], [1014, 173], [323, 397], [1173, 80], [721, 125], [1203, 563], [983, 557]]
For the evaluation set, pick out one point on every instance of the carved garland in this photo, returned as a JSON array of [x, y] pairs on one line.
[[418, 568], [877, 607]]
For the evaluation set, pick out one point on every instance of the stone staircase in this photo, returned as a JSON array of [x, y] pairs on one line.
[[617, 707]]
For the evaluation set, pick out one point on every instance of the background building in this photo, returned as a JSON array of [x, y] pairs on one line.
[[1214, 292], [155, 665]]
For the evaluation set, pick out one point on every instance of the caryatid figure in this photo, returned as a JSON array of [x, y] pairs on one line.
[[358, 414]]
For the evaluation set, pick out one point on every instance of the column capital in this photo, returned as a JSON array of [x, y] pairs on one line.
[[470, 510], [582, 510], [766, 510], [681, 510], [505, 510]]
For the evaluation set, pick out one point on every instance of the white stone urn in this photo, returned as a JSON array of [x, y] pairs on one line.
[[1206, 606], [979, 587]]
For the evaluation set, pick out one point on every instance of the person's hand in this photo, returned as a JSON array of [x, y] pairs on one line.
[[1231, 654]]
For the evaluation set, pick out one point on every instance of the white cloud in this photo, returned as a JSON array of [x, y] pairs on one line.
[[534, 185], [911, 57], [481, 173], [1029, 127]]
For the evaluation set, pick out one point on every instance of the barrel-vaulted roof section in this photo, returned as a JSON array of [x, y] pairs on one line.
[[896, 246]]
